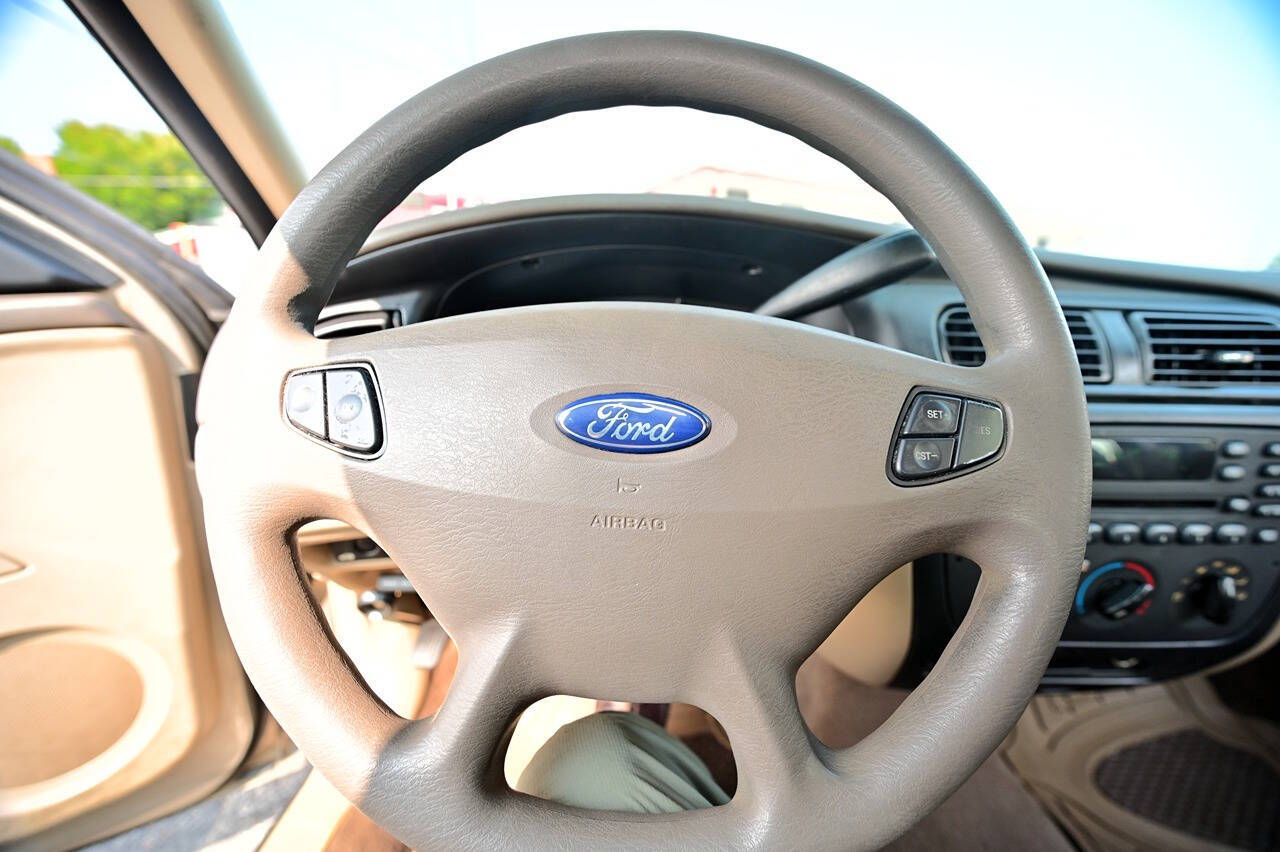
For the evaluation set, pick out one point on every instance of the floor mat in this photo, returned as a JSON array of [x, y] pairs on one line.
[[234, 819], [1198, 785], [1166, 766]]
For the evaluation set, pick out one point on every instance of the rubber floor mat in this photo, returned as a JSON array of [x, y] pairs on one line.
[[1195, 784]]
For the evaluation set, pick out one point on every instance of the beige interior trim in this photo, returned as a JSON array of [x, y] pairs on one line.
[[1266, 643], [196, 41], [871, 643], [311, 820], [326, 532], [131, 297], [115, 599]]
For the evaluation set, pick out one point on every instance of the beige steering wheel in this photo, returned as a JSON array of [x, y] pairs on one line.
[[442, 440]]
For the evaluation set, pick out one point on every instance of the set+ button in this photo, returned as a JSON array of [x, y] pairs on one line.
[[933, 414]]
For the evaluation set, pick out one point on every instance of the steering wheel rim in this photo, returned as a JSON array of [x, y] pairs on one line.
[[483, 503]]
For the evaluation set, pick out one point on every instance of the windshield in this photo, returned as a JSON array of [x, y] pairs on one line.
[[1142, 130]]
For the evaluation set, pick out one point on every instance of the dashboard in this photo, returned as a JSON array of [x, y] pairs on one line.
[[1182, 374]]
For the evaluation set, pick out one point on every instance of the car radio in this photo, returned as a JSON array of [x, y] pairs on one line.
[[1183, 555]]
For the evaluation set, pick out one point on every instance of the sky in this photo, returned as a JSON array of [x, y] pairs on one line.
[[1144, 129]]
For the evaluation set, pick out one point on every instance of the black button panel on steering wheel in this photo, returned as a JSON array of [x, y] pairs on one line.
[[941, 434], [336, 405]]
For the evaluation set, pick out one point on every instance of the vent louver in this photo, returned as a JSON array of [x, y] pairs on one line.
[[356, 322], [1209, 349], [961, 345]]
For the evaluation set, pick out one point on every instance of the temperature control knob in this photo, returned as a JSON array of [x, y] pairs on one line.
[[1116, 590]]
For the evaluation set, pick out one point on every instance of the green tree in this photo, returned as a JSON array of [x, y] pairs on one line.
[[9, 145], [148, 177]]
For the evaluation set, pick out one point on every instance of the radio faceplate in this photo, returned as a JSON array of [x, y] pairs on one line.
[[1179, 574], [1176, 565]]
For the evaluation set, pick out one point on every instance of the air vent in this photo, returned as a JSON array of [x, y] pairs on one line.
[[356, 322], [961, 345], [1209, 349]]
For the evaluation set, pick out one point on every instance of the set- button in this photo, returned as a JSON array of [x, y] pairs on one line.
[[336, 405], [918, 457], [942, 433]]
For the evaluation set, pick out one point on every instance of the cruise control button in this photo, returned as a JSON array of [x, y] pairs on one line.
[[932, 414], [981, 432], [1267, 535], [1231, 534], [1270, 490], [351, 411], [1159, 533], [304, 402], [1195, 533], [919, 457], [1270, 470], [1268, 510], [1123, 533]]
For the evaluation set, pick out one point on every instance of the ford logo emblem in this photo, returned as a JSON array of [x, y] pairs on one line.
[[633, 423]]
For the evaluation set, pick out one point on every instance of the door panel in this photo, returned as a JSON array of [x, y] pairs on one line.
[[123, 696]]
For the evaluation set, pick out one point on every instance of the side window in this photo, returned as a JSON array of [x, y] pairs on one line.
[[67, 110]]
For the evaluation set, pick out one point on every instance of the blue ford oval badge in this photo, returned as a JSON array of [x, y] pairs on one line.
[[633, 423]]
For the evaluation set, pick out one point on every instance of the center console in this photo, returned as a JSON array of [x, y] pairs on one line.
[[1184, 551]]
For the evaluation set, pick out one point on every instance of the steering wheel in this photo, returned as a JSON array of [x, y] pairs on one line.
[[706, 574]]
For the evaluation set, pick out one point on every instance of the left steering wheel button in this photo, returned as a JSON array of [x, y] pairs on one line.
[[304, 402], [352, 421]]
